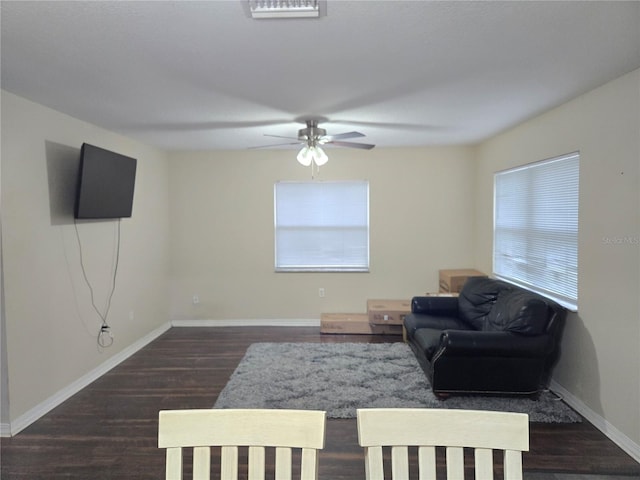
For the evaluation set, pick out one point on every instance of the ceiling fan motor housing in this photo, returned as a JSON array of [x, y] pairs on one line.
[[312, 133]]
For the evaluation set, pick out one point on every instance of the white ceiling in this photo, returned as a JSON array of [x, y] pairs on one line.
[[204, 75]]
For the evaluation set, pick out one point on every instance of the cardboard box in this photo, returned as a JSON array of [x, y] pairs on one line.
[[388, 312], [386, 329], [453, 280], [345, 323]]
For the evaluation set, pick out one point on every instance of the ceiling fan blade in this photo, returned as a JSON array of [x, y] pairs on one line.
[[275, 145], [343, 136], [280, 136], [391, 125], [364, 146]]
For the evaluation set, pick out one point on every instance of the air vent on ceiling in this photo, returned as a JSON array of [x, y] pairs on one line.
[[284, 8]]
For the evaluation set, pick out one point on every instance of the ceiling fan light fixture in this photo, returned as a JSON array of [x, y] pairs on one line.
[[319, 156], [305, 156], [313, 153]]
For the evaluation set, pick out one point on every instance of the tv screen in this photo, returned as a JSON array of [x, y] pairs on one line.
[[105, 184]]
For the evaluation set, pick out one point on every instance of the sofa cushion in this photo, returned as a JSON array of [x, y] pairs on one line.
[[477, 298], [415, 322], [518, 311], [427, 340]]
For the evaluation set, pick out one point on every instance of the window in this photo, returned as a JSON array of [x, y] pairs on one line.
[[535, 229], [322, 226]]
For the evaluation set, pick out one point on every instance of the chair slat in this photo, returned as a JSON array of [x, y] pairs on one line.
[[173, 466], [256, 463], [455, 463], [283, 463], [427, 463], [229, 463], [483, 459], [399, 462], [309, 464], [202, 463], [374, 467], [512, 465]]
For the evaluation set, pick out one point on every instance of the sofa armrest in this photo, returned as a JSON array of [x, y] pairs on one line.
[[498, 344], [437, 306]]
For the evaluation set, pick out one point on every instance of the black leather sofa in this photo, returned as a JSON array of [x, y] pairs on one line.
[[494, 338]]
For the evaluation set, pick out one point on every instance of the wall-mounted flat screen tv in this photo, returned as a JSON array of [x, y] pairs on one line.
[[106, 183]]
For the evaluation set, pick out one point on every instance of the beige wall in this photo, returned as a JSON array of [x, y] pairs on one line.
[[51, 327], [600, 363], [222, 230]]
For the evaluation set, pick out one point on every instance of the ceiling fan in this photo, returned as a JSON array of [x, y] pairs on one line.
[[312, 138]]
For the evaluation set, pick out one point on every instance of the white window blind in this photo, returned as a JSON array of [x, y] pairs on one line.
[[535, 233], [322, 226]]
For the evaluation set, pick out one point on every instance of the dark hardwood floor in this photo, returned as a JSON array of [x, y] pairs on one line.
[[109, 429]]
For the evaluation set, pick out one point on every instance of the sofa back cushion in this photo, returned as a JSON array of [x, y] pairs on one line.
[[519, 311], [477, 298]]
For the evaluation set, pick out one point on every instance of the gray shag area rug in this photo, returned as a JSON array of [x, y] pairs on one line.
[[341, 377]]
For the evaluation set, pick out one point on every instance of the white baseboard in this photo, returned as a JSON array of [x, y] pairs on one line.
[[300, 322], [5, 430], [615, 435], [26, 419]]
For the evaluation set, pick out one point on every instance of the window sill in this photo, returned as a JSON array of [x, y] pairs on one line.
[[321, 270]]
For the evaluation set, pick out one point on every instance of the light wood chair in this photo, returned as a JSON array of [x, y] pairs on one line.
[[427, 429], [253, 428]]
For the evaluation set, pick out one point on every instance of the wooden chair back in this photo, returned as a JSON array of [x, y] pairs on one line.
[[229, 429], [427, 429]]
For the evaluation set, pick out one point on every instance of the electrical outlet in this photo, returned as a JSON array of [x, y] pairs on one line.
[[321, 292], [131, 315], [196, 299]]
